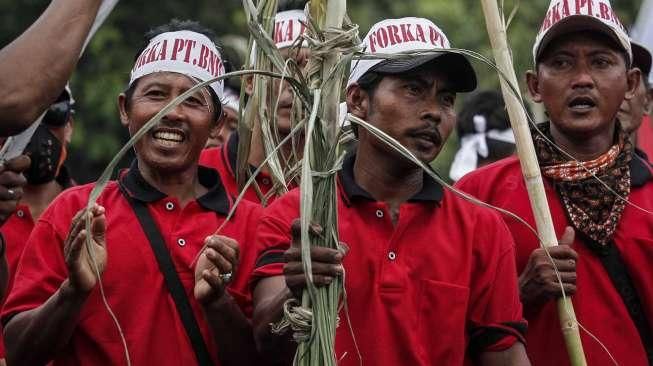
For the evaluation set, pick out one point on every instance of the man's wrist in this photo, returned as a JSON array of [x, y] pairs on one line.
[[70, 293]]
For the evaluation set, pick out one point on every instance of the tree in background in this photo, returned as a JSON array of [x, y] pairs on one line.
[[104, 70]]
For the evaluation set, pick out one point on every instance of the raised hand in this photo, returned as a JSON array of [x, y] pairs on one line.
[[538, 282], [81, 269], [11, 185], [326, 262], [215, 267]]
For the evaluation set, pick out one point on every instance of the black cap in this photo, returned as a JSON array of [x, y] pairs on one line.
[[455, 65]]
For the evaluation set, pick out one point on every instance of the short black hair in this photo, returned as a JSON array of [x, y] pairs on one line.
[[486, 103], [176, 25]]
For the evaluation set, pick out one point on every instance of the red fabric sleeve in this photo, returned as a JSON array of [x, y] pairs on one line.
[[273, 236], [495, 311], [40, 272]]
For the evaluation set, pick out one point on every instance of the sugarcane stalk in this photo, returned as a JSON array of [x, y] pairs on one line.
[[260, 109], [318, 185], [530, 168]]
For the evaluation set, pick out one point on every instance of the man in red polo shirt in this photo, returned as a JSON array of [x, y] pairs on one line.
[[147, 230], [428, 275], [582, 74], [290, 25]]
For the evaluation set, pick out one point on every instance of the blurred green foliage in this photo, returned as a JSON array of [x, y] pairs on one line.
[[104, 70]]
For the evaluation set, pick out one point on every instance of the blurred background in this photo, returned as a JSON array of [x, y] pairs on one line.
[[103, 72]]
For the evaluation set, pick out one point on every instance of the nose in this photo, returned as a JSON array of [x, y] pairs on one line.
[[176, 114], [432, 111], [582, 78]]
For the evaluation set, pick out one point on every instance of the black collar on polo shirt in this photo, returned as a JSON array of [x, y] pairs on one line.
[[431, 190], [640, 169], [232, 151], [216, 199]]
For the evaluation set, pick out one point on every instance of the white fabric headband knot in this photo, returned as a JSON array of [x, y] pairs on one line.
[[184, 52], [473, 145]]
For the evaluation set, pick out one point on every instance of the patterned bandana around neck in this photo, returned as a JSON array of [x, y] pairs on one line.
[[591, 207]]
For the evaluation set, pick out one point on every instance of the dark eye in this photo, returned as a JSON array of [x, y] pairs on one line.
[[601, 62], [155, 93], [560, 62], [448, 99], [413, 88], [194, 101]]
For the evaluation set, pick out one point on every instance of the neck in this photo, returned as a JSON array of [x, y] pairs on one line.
[[257, 149], [386, 179], [182, 185], [38, 197], [584, 148]]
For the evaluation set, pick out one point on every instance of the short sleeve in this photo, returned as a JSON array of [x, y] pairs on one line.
[[495, 312], [40, 272]]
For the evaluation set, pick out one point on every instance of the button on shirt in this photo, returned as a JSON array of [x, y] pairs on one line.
[[132, 280], [424, 292], [15, 232]]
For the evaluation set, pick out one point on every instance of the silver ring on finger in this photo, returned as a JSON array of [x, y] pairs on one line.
[[226, 277], [11, 192]]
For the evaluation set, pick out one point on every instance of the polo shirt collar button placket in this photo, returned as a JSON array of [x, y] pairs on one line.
[[215, 200]]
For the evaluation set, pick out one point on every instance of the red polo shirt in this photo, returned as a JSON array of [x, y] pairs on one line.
[[15, 232], [133, 283], [17, 228], [224, 160], [645, 136], [599, 307], [435, 289]]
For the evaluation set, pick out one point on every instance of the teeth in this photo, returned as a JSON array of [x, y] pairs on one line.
[[169, 136]]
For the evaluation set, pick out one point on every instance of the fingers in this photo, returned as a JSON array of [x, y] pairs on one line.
[[98, 225], [223, 252], [74, 249], [18, 164], [318, 254], [296, 232]]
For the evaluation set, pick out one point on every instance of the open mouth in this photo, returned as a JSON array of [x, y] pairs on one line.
[[430, 136], [169, 137], [581, 104]]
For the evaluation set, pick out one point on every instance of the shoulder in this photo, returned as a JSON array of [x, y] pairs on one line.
[[210, 157], [73, 199]]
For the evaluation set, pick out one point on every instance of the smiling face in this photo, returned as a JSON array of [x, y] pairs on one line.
[[175, 143], [582, 80], [416, 108]]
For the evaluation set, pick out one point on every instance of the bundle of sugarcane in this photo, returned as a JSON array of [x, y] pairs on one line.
[[530, 168], [315, 320]]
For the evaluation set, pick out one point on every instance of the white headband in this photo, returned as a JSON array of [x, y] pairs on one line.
[[184, 52], [473, 145], [288, 27]]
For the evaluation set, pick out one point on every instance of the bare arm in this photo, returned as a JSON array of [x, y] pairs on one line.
[[269, 296], [272, 293], [34, 337], [35, 67], [231, 330], [513, 356]]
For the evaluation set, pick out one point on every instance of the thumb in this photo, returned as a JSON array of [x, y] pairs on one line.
[[568, 236], [18, 164]]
